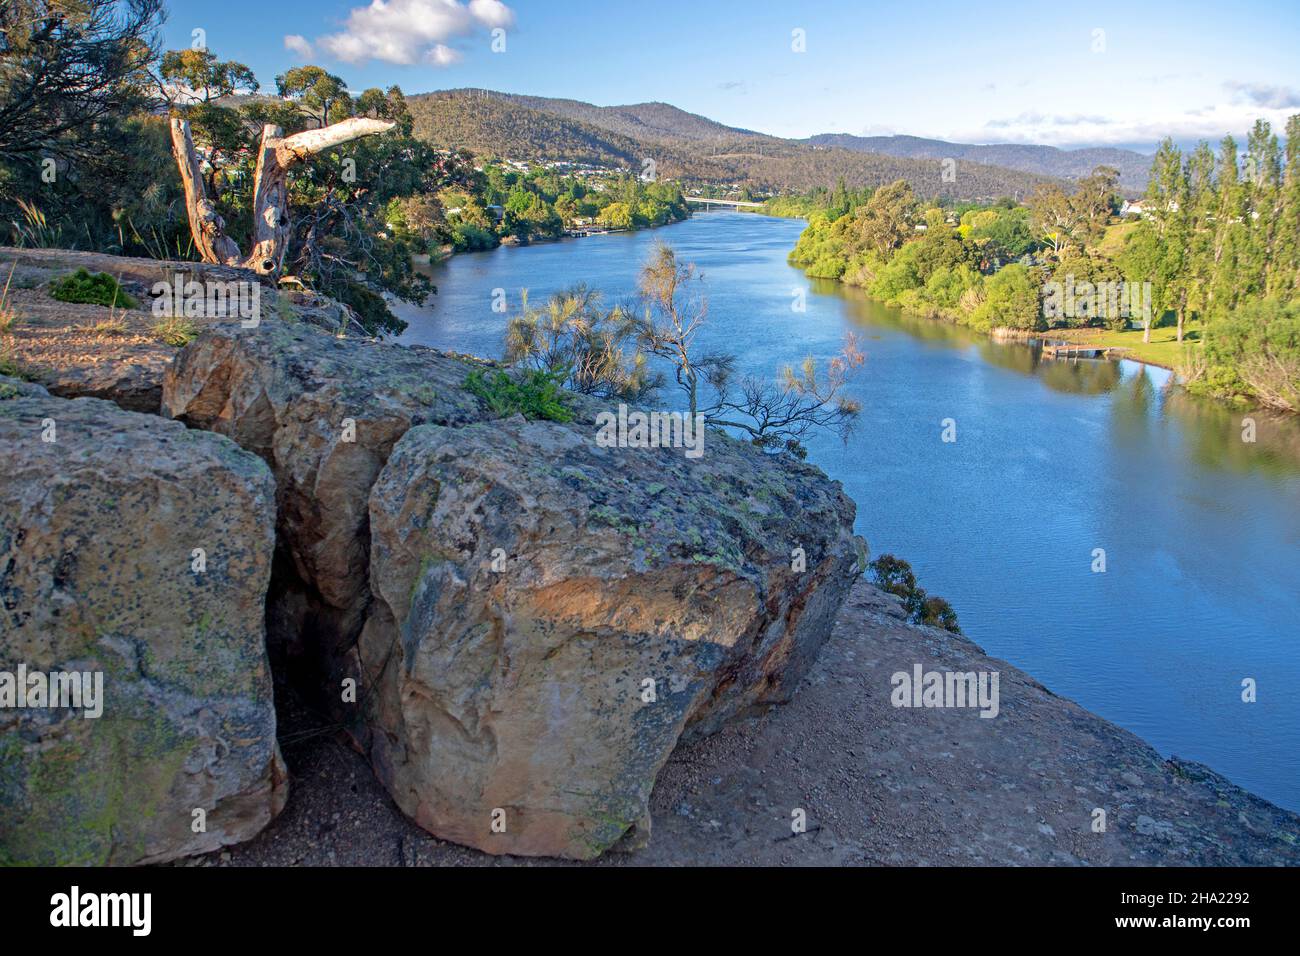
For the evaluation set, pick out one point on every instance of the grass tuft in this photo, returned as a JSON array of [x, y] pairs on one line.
[[8, 316], [174, 330], [108, 327]]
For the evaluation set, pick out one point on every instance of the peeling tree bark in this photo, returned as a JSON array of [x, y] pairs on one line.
[[276, 156]]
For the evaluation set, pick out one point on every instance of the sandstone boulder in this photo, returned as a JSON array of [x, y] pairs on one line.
[[324, 413], [551, 616], [518, 691], [135, 554]]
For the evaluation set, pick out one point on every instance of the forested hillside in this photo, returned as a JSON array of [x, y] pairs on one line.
[[487, 124], [682, 146], [644, 121]]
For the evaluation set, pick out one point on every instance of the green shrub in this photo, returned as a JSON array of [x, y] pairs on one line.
[[895, 576], [1255, 352], [534, 394], [467, 237], [937, 612], [11, 367], [826, 267], [1011, 300], [97, 288]]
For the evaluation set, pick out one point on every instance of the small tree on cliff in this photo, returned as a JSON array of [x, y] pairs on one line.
[[776, 415], [895, 576]]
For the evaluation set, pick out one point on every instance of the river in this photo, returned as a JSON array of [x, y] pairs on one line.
[[1052, 460]]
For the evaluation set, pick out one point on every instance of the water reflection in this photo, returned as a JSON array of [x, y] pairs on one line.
[[1140, 393], [1217, 436], [1080, 376]]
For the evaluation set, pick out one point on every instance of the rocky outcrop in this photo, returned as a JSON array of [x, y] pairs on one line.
[[137, 275], [552, 616], [78, 350], [324, 413], [647, 596], [134, 561]]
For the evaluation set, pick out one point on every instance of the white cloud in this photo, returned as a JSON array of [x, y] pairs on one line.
[[298, 44], [1262, 94], [442, 55], [492, 13], [406, 31], [1211, 123]]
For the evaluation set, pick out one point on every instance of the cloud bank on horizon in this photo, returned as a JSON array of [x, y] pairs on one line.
[[1243, 104], [404, 32]]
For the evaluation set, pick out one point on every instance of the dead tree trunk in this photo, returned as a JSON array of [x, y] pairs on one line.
[[206, 225], [276, 155]]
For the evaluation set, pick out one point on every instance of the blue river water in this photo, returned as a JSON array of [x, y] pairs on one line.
[[1052, 460]]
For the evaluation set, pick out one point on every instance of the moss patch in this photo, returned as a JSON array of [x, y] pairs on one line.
[[97, 288]]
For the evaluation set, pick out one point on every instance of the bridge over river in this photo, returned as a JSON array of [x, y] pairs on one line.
[[733, 203]]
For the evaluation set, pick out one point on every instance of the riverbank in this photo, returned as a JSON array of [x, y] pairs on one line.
[[1163, 351], [879, 785], [446, 252], [1160, 352]]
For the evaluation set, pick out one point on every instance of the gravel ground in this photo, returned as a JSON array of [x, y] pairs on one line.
[[878, 785]]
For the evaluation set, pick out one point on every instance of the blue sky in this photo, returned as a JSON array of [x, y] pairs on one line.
[[1064, 74]]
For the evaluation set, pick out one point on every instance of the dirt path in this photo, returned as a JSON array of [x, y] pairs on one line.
[[878, 784]]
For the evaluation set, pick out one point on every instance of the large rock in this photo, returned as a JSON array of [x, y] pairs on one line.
[[529, 585], [324, 412], [101, 511], [518, 691]]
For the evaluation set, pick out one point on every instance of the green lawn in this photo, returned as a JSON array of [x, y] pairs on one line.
[[1112, 241], [1163, 349]]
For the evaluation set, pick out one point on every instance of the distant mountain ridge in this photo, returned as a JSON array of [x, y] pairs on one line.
[[648, 121], [1133, 166], [686, 146]]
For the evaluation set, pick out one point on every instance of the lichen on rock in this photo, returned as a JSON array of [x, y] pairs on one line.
[[540, 643], [101, 513]]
